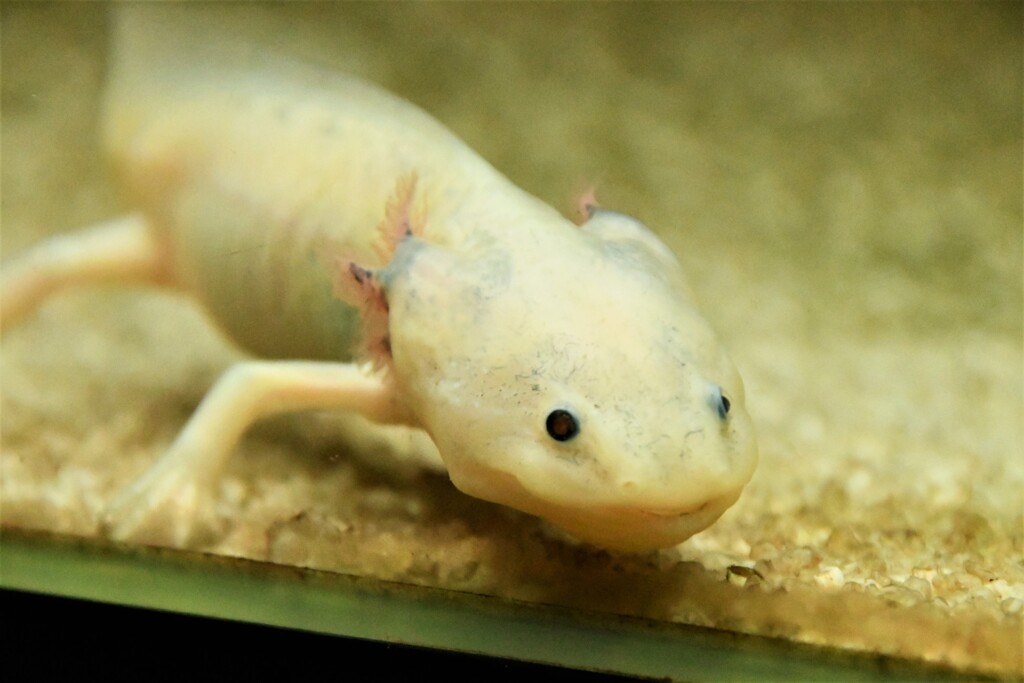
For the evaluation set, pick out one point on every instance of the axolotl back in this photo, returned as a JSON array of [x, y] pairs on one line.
[[562, 370]]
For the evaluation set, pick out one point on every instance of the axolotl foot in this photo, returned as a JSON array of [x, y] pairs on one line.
[[169, 505]]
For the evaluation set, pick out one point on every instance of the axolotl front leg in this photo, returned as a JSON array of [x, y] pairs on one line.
[[165, 505], [161, 506]]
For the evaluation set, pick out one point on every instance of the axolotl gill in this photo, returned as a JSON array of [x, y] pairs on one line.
[[559, 369]]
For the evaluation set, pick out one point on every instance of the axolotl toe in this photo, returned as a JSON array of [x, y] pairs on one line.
[[562, 370]]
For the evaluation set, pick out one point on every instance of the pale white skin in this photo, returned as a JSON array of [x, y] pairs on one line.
[[250, 180]]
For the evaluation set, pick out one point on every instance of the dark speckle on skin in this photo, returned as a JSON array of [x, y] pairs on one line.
[[649, 446], [695, 432]]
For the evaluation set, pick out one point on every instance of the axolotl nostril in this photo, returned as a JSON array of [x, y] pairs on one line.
[[559, 369]]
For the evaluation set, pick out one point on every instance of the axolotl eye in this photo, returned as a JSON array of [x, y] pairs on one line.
[[562, 425], [719, 402]]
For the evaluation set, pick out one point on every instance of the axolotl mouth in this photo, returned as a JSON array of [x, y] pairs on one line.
[[636, 529], [628, 528]]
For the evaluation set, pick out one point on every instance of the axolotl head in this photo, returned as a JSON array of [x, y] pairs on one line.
[[566, 373]]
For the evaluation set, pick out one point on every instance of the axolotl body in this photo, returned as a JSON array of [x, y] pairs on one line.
[[559, 369]]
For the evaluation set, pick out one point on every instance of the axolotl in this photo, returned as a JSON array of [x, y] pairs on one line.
[[559, 369]]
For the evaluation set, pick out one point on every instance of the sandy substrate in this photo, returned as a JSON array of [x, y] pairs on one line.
[[842, 183]]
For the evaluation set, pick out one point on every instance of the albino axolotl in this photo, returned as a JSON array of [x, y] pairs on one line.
[[559, 369]]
